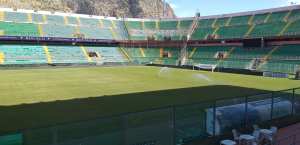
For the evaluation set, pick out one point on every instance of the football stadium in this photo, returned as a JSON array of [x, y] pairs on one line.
[[74, 79]]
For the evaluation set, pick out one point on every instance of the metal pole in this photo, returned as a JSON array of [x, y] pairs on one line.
[[293, 102], [246, 111], [125, 127], [214, 118], [174, 124], [272, 105], [55, 136]]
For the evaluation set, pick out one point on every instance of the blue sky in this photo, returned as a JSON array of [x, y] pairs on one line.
[[187, 8]]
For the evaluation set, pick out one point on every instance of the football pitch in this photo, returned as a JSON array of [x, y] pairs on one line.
[[44, 96]]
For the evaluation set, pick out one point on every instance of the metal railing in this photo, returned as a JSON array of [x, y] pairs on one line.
[[171, 125]]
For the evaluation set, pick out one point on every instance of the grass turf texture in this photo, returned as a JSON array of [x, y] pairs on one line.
[[40, 97]]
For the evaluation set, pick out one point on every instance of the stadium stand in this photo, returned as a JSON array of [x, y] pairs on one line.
[[266, 23], [284, 59]]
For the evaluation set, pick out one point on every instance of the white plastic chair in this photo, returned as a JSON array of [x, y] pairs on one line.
[[256, 132], [236, 135], [227, 142], [274, 131]]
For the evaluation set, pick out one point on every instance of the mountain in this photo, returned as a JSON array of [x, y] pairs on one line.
[[115, 8]]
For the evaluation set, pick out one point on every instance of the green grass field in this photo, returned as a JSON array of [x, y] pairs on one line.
[[40, 97]]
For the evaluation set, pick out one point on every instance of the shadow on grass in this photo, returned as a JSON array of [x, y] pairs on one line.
[[26, 116]]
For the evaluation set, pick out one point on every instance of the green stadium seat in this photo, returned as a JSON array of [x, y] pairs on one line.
[[19, 29], [249, 53], [90, 22], [54, 19], [210, 61], [150, 25], [287, 52], [37, 18], [152, 55], [138, 37], [108, 54], [283, 66], [232, 31], [208, 51], [23, 54], [67, 54], [202, 33], [204, 23], [152, 52], [186, 24], [234, 63], [72, 20], [221, 22], [277, 16], [240, 20], [16, 17], [263, 30], [121, 31], [56, 30], [106, 23], [259, 18], [16, 139], [294, 28], [168, 25], [295, 15], [96, 32], [134, 25], [285, 59]]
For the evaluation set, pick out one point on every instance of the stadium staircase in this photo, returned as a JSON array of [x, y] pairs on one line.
[[2, 15], [113, 30], [126, 29], [49, 59], [66, 21], [125, 54], [40, 30], [45, 19], [2, 57], [85, 53], [193, 52], [183, 51], [36, 18], [142, 52], [285, 28], [29, 17]]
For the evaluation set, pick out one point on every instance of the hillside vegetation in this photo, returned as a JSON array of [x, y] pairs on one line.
[[117, 8]]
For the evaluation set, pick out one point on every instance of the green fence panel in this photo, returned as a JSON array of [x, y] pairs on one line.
[[15, 139]]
